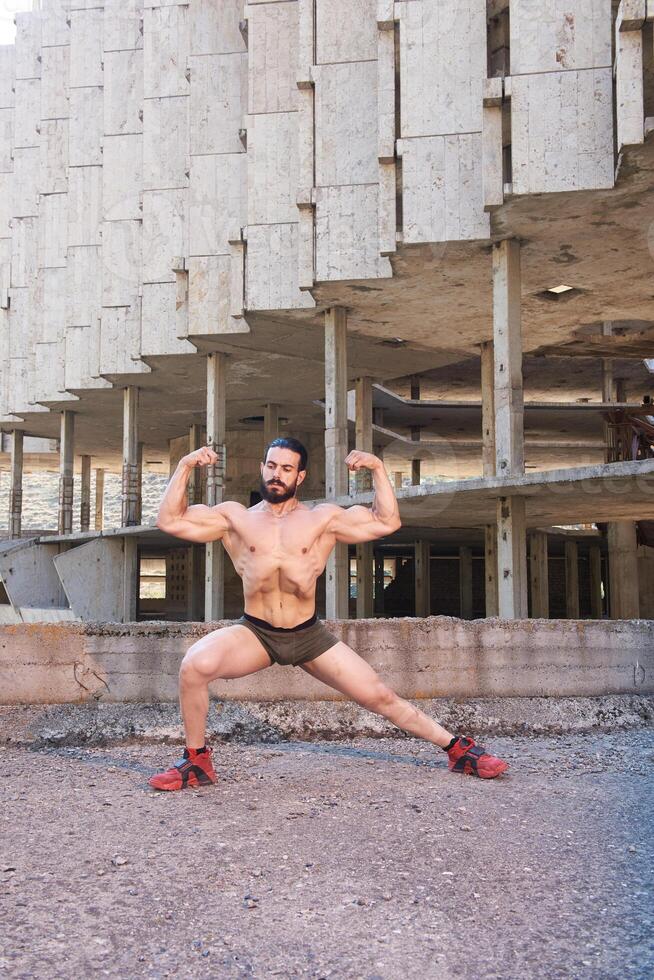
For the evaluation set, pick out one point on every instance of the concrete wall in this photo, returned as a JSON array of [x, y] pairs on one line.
[[435, 657], [163, 170]]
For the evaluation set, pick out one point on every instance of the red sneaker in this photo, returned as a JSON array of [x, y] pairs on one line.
[[472, 760], [195, 769]]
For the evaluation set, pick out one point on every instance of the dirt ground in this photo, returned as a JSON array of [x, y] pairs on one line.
[[331, 859]]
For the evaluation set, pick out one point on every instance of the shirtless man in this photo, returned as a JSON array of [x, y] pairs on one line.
[[279, 547]]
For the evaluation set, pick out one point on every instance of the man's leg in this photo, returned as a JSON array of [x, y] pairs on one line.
[[226, 653], [347, 672]]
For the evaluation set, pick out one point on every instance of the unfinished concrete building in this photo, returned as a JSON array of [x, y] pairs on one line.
[[423, 228]]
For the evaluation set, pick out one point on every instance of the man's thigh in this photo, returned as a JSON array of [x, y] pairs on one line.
[[230, 652], [344, 670]]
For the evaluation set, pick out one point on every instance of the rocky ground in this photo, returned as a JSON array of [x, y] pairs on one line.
[[342, 859]]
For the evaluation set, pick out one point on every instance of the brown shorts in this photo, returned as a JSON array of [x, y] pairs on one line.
[[291, 647]]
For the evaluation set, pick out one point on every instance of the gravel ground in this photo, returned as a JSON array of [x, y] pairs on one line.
[[350, 859]]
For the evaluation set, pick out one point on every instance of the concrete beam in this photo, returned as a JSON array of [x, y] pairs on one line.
[[214, 595], [99, 499], [85, 494], [16, 484], [571, 580], [512, 558], [539, 576], [422, 578], [336, 445], [465, 582], [623, 570], [131, 488], [66, 474]]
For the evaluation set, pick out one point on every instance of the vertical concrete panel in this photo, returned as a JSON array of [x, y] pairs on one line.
[[166, 47], [54, 82], [122, 177], [7, 75], [272, 57], [217, 202], [629, 94], [27, 50], [272, 168], [84, 205], [562, 131], [218, 102], [55, 22], [442, 65], [85, 127], [24, 251], [165, 233], [215, 26], [559, 34], [346, 123], [51, 304], [84, 286], [442, 189], [86, 47], [356, 43], [165, 143], [83, 358], [120, 340], [347, 238], [52, 230], [123, 24], [53, 170], [27, 116], [159, 321], [272, 269], [209, 294], [123, 92], [121, 262], [25, 183]]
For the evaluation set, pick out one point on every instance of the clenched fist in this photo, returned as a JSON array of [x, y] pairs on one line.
[[205, 456], [356, 460]]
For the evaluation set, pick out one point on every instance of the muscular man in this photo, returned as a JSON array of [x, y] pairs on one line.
[[279, 547]]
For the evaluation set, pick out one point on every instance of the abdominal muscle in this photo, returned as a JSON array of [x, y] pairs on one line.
[[280, 597]]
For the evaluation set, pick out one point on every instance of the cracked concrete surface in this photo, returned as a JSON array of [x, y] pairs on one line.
[[362, 858]]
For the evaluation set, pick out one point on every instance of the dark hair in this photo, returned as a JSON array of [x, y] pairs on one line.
[[286, 442]]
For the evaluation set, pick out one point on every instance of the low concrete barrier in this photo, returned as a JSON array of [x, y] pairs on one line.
[[438, 657]]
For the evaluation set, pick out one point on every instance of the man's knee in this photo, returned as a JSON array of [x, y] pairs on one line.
[[200, 664], [378, 698]]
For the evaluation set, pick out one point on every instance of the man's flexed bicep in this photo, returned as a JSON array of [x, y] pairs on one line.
[[197, 523], [355, 525]]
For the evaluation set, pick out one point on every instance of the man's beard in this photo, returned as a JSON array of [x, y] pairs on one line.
[[276, 494]]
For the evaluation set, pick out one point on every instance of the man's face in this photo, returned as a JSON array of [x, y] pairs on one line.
[[280, 476]]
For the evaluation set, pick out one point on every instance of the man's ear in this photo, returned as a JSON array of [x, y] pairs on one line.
[[301, 477]]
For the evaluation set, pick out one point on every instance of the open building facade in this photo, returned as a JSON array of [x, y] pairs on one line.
[[422, 228]]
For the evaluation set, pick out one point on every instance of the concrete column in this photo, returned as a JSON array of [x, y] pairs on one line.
[[490, 570], [214, 595], [66, 476], [270, 423], [397, 479], [507, 336], [415, 387], [131, 489], [595, 561], [130, 578], [379, 583], [99, 499], [336, 473], [465, 582], [539, 576], [571, 580], [621, 390], [509, 428], [197, 481], [488, 408], [623, 570], [16, 484], [85, 494], [422, 578], [512, 558], [363, 441]]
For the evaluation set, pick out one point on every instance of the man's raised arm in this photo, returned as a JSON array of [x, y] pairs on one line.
[[354, 525], [196, 523]]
